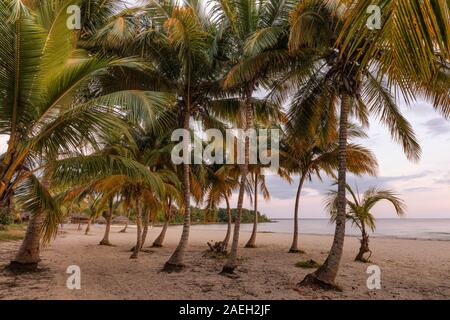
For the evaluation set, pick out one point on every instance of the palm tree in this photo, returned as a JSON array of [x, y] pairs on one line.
[[415, 51], [337, 76], [221, 181], [259, 184], [253, 28], [168, 208], [312, 155], [38, 60], [360, 214]]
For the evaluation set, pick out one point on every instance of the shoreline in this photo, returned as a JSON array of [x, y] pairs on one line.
[[411, 269]]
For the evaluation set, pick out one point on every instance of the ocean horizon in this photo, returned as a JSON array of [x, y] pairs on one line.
[[404, 228]]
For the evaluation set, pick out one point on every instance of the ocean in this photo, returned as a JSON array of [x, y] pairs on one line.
[[426, 229]]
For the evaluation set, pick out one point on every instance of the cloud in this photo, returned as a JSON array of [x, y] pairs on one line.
[[437, 126], [280, 189]]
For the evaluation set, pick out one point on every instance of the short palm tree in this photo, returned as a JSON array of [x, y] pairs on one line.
[[360, 214]]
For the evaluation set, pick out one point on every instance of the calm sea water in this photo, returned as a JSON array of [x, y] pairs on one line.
[[431, 229]]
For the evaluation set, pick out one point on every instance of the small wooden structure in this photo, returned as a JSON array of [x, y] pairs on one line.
[[79, 219], [120, 220]]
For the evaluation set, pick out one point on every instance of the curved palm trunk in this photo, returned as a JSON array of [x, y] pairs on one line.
[[105, 241], [294, 246], [160, 239], [88, 226], [124, 230], [231, 263], [364, 248], [27, 258], [176, 260], [145, 230], [226, 240], [325, 276], [137, 246], [252, 241]]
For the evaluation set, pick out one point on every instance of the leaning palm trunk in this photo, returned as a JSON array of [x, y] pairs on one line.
[[145, 230], [325, 276], [176, 260], [364, 248], [294, 246], [252, 241], [226, 240], [124, 230], [231, 263], [160, 239], [88, 226], [27, 258], [137, 246], [105, 241]]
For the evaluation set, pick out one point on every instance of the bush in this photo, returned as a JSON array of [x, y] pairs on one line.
[[309, 264], [6, 217]]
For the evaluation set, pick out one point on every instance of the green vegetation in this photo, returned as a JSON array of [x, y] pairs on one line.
[[308, 264], [219, 216], [12, 232]]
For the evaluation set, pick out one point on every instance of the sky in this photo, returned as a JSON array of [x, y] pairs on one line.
[[424, 185]]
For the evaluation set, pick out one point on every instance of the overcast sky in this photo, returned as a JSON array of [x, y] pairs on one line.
[[425, 186]]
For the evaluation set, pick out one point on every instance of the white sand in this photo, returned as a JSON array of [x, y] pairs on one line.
[[411, 269]]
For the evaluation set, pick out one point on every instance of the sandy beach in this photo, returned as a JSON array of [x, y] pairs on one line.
[[411, 269]]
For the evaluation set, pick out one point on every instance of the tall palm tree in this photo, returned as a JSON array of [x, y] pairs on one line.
[[337, 76], [259, 184], [39, 60], [221, 181], [360, 214], [253, 28], [312, 155]]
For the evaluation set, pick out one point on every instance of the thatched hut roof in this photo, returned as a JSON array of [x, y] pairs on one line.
[[100, 220], [120, 220]]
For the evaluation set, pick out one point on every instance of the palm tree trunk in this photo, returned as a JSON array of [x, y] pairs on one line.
[[175, 262], [27, 258], [105, 241], [252, 241], [137, 247], [160, 239], [325, 276], [294, 246], [126, 223], [231, 264], [88, 226], [364, 248], [146, 225], [226, 240]]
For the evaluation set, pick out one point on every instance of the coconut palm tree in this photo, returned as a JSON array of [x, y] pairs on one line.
[[222, 180], [360, 214], [415, 51], [39, 60], [316, 154], [254, 30], [335, 77], [259, 184]]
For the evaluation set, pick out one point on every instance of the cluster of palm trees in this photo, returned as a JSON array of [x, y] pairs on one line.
[[89, 112]]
